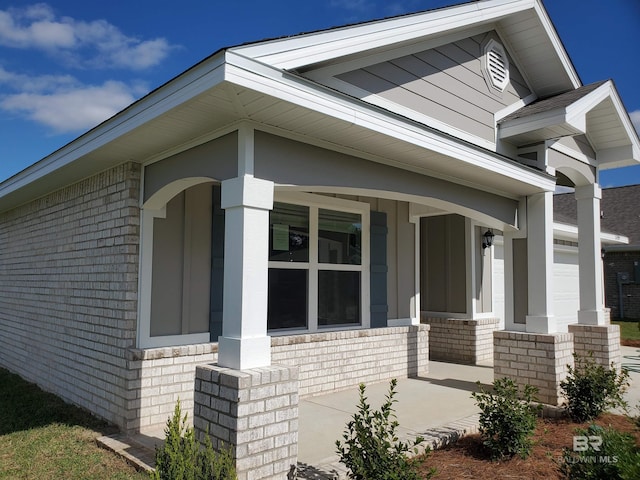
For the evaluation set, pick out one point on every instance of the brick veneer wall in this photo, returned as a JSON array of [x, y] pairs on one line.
[[161, 376], [68, 289], [327, 362], [332, 361], [601, 341], [534, 358], [461, 340], [255, 412]]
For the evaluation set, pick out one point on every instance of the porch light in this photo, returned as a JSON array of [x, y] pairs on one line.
[[487, 239]]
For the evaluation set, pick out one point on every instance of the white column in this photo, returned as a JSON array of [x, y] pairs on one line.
[[244, 342], [540, 317], [590, 263]]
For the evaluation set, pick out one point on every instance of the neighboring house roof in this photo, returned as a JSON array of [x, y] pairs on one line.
[[284, 85], [620, 207]]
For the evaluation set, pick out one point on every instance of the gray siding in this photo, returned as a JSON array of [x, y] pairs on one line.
[[217, 160], [445, 83], [443, 264], [182, 264], [520, 281], [289, 162]]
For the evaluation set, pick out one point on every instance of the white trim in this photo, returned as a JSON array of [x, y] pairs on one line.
[[322, 46], [563, 231], [570, 152], [315, 203], [324, 73]]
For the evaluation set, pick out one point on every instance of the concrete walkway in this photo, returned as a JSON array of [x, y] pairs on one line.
[[439, 407]]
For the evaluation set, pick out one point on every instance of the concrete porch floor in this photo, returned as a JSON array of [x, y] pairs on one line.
[[437, 406]]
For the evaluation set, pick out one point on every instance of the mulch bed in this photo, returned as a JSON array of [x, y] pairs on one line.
[[468, 458], [630, 343]]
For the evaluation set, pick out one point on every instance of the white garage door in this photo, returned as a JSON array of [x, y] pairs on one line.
[[565, 285]]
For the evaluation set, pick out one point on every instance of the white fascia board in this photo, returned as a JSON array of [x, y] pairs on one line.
[[563, 231], [296, 52], [263, 78], [197, 80], [531, 123]]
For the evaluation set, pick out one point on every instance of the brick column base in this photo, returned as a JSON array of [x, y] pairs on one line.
[[534, 358], [602, 340], [254, 411], [461, 340]]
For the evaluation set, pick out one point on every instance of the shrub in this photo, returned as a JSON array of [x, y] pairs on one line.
[[616, 458], [371, 449], [507, 423], [591, 389], [181, 457]]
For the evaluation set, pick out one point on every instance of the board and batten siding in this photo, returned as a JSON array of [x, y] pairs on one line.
[[182, 264], [445, 83]]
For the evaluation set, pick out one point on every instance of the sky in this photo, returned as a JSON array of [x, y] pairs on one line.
[[67, 65]]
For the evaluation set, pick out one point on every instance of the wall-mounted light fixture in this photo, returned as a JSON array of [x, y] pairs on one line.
[[487, 239]]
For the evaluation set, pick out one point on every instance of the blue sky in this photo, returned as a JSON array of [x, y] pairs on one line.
[[66, 65]]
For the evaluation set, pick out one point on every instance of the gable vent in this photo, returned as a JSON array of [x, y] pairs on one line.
[[496, 66]]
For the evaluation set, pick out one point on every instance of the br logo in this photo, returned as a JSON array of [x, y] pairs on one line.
[[581, 443]]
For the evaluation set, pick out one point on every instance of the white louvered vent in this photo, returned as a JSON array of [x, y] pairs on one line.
[[496, 65]]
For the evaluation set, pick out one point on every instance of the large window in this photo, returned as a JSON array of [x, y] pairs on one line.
[[317, 263]]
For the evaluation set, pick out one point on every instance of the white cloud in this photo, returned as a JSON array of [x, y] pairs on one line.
[[25, 83], [96, 44], [63, 105], [635, 118]]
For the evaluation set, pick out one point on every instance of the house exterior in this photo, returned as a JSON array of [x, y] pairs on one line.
[[298, 215], [619, 213]]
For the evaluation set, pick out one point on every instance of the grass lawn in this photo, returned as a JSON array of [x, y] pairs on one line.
[[628, 331], [42, 437]]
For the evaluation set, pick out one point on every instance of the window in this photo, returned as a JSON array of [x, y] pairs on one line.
[[317, 263]]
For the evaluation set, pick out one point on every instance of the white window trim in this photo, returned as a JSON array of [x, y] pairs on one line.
[[315, 203]]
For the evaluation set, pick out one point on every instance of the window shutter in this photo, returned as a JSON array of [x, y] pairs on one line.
[[378, 280], [217, 266]]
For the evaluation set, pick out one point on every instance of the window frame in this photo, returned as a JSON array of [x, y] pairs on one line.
[[315, 203]]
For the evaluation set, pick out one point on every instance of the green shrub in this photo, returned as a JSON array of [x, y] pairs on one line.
[[181, 457], [371, 449], [616, 458], [507, 423], [591, 389]]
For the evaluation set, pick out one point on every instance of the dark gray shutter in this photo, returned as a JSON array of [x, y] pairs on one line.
[[378, 280], [217, 266]]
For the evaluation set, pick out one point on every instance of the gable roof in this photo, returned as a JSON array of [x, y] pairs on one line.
[[270, 83], [531, 40], [620, 207], [594, 110]]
